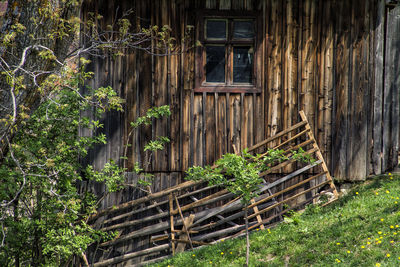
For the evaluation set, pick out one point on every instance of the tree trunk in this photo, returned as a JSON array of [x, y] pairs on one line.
[[246, 218], [21, 57]]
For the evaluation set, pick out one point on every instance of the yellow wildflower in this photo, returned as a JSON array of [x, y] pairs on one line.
[[388, 255]]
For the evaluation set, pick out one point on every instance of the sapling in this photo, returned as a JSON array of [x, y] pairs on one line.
[[239, 174]]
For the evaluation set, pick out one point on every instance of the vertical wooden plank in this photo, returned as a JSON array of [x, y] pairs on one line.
[[246, 132], [395, 52], [162, 92], [319, 82], [357, 148], [234, 117], [291, 39], [131, 110], [391, 90], [221, 122], [197, 130], [308, 57], [327, 79], [204, 127], [228, 123], [340, 131], [243, 123], [259, 122], [186, 126], [274, 67], [146, 88], [185, 91], [174, 101], [210, 146]]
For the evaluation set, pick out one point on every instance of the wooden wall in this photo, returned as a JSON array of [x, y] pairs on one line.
[[334, 59]]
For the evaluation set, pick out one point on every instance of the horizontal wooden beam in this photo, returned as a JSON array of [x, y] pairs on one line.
[[131, 255], [288, 199], [272, 138], [286, 190]]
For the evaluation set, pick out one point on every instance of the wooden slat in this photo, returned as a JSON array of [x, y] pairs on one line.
[[285, 163], [288, 199], [320, 157], [254, 204], [184, 222], [255, 209], [342, 70], [131, 255], [274, 58], [283, 212], [171, 221], [272, 138], [378, 59], [391, 91]]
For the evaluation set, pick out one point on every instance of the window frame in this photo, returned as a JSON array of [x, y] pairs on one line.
[[228, 86]]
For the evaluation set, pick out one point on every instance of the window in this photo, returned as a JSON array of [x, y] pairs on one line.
[[226, 59]]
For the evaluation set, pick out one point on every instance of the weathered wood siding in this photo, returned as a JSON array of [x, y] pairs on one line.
[[338, 60]]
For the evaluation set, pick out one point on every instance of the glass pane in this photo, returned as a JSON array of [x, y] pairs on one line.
[[215, 64], [242, 64], [216, 29], [243, 29]]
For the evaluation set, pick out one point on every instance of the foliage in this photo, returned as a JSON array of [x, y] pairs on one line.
[[360, 229], [46, 224], [42, 214], [152, 146], [239, 174]]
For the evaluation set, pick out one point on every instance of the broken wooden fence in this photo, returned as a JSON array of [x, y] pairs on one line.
[[193, 214]]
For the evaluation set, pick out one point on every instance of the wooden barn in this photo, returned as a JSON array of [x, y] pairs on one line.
[[260, 62]]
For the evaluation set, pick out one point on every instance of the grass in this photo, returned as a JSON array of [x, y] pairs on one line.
[[360, 229]]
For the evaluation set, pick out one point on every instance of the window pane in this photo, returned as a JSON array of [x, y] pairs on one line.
[[215, 64], [242, 64], [243, 29], [216, 29]]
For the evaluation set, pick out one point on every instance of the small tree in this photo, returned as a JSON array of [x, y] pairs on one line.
[[240, 176]]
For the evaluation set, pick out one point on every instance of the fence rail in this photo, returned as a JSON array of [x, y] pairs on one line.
[[193, 214]]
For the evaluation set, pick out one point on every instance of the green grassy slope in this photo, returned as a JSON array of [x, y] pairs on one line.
[[360, 229]]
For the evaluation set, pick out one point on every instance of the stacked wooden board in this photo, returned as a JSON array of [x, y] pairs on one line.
[[193, 214]]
